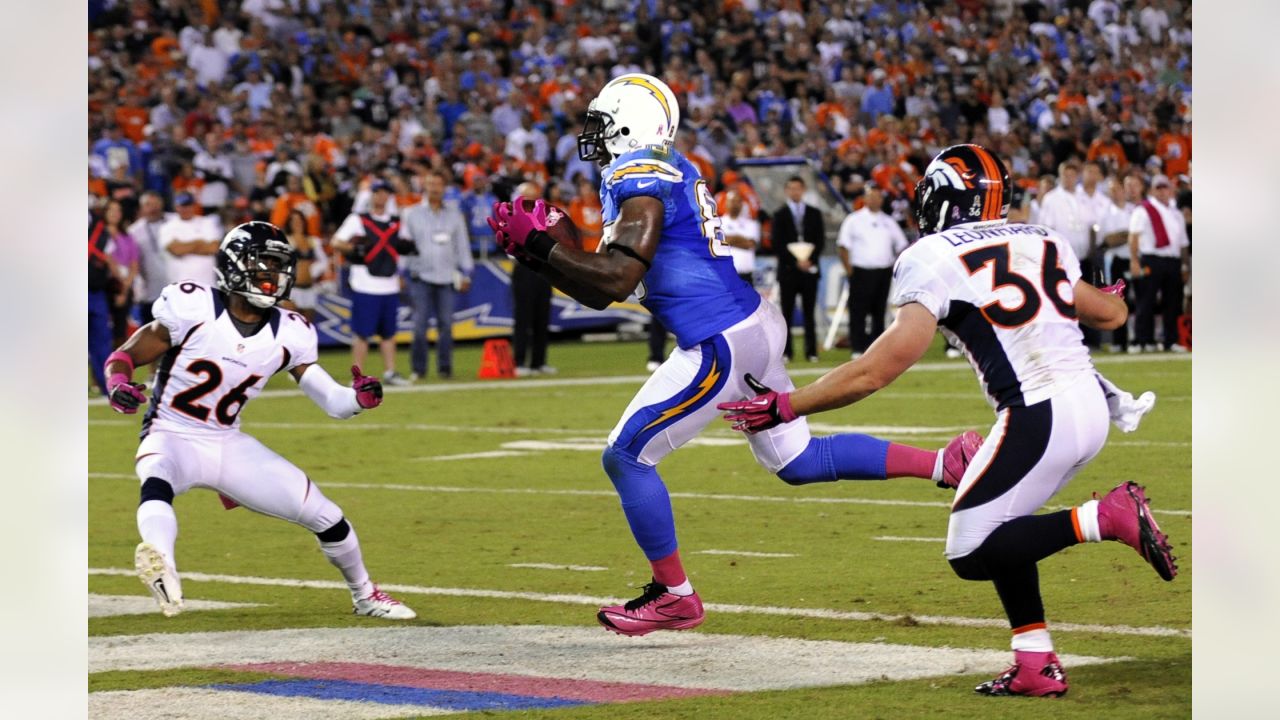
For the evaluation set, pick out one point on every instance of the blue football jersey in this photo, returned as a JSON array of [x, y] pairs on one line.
[[692, 287]]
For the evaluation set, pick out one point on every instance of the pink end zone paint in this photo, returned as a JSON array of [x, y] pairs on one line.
[[584, 690]]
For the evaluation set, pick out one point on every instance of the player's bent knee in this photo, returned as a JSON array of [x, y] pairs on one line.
[[969, 567], [809, 466], [156, 489], [318, 512], [618, 462], [335, 533]]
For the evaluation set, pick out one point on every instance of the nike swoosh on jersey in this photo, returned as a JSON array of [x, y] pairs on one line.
[[644, 185]]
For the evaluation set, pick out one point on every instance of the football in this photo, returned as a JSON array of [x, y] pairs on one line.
[[559, 226]]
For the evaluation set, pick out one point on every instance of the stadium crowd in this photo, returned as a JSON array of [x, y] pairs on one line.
[[291, 110]]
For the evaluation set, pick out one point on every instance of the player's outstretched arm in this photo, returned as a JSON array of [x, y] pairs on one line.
[[1101, 309], [897, 349], [338, 401], [900, 347], [146, 345]]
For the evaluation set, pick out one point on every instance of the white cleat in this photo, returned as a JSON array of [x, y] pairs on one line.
[[382, 605], [162, 580]]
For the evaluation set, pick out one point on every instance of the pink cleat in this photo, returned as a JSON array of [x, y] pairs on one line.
[[956, 456], [1124, 514], [656, 609], [1034, 674]]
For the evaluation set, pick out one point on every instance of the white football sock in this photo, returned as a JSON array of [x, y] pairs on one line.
[[1087, 516], [345, 555], [683, 589], [1033, 641], [158, 525]]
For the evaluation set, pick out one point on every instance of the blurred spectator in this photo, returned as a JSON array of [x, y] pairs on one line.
[[798, 239], [294, 198], [312, 264], [1061, 210], [1174, 148], [101, 271], [440, 267], [214, 168], [741, 234], [124, 251], [531, 304], [190, 242], [153, 259], [869, 244], [586, 213], [657, 343], [1114, 234], [115, 150], [1157, 249]]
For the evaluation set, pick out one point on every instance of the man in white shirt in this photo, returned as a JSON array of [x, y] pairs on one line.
[[1113, 233], [191, 241], [741, 234], [154, 263], [210, 63], [869, 243], [214, 166], [1061, 210], [1157, 248]]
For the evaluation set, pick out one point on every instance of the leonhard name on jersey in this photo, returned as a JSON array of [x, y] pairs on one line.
[[964, 237]]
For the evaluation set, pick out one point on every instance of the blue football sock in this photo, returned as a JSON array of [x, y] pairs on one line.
[[838, 457], [644, 501]]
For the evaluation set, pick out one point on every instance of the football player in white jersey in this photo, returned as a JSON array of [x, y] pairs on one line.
[[217, 347], [1012, 297]]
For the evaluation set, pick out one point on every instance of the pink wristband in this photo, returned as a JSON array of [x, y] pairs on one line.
[[784, 407], [120, 356]]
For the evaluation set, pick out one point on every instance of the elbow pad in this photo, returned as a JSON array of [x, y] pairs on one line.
[[338, 401]]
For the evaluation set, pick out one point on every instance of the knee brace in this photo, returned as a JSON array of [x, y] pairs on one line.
[[336, 533], [970, 567], [156, 489]]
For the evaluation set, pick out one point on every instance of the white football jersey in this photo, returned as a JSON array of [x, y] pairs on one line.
[[1005, 295], [211, 371]]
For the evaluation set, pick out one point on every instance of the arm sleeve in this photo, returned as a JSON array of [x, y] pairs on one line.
[[844, 238], [915, 281], [350, 228], [1138, 221], [462, 245], [338, 401], [1070, 263]]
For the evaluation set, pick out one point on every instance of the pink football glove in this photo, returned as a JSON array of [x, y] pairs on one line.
[[1117, 289], [368, 389], [124, 395], [767, 409], [500, 222]]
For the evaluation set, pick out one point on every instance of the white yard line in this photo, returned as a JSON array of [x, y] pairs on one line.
[[745, 553], [531, 384], [816, 613], [550, 566], [612, 494], [473, 456], [898, 538]]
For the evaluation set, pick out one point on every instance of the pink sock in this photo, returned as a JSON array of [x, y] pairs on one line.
[[907, 461], [668, 570]]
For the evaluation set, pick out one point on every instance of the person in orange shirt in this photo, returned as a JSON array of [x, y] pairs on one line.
[[1174, 148], [731, 180], [132, 121], [585, 212], [186, 181], [295, 199], [1107, 150]]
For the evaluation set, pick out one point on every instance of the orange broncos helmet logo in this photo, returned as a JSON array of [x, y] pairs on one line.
[[962, 170]]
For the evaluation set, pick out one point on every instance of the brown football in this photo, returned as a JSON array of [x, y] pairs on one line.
[[559, 226]]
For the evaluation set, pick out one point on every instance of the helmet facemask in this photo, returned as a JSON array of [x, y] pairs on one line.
[[262, 276], [597, 129]]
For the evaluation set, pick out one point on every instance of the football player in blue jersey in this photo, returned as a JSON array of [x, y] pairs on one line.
[[662, 242]]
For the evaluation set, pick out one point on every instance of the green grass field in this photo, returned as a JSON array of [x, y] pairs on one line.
[[461, 523]]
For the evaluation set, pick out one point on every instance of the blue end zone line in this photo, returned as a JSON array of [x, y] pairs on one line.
[[397, 695]]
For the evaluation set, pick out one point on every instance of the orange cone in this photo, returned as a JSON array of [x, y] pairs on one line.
[[496, 362]]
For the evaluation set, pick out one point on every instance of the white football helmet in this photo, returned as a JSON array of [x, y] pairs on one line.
[[631, 111]]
